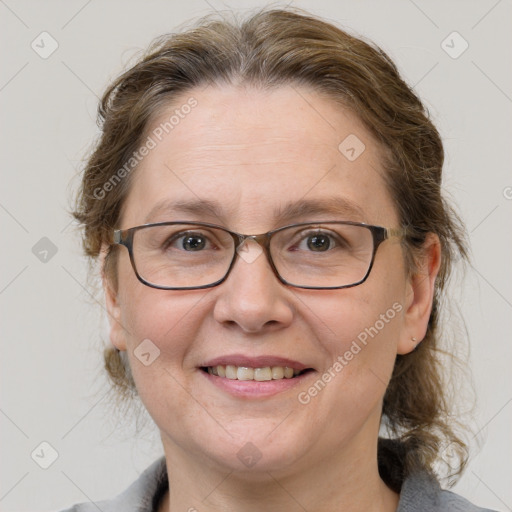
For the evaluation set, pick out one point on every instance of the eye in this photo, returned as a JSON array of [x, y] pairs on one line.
[[190, 242], [193, 242], [319, 242]]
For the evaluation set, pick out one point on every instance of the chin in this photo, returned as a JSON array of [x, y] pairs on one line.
[[256, 451]]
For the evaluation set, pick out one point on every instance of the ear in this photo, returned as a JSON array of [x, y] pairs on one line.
[[117, 332], [420, 295]]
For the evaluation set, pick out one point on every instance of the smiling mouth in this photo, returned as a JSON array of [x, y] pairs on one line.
[[265, 373]]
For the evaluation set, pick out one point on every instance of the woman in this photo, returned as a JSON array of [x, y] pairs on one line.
[[265, 204]]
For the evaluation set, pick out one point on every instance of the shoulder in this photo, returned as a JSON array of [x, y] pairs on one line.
[[141, 496], [421, 492]]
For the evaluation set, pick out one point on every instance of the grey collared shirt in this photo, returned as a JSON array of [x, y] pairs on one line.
[[419, 493]]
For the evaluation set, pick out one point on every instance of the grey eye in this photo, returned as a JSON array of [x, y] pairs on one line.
[[318, 242], [193, 243]]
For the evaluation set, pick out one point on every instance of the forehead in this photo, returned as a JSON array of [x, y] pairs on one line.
[[248, 155]]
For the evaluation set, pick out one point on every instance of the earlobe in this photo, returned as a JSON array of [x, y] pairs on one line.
[[117, 332], [420, 295]]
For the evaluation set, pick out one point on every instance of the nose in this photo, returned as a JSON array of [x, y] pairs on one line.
[[252, 297]]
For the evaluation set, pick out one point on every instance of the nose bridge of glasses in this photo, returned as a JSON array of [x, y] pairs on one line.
[[261, 240], [250, 252]]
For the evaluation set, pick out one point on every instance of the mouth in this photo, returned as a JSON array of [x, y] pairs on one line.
[[259, 374], [250, 377]]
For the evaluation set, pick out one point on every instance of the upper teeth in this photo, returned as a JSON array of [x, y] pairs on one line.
[[231, 371]]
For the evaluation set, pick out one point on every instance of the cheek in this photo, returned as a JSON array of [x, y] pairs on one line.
[[172, 321], [150, 313], [359, 333], [159, 327], [356, 317], [358, 330]]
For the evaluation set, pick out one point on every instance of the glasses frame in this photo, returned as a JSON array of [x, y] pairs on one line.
[[379, 234]]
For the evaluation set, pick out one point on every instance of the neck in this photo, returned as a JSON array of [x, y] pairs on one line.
[[347, 482]]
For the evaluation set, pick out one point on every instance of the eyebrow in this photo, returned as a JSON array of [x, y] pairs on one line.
[[333, 205], [198, 207], [341, 208]]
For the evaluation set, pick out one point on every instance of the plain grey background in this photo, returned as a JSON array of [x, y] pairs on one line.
[[53, 327]]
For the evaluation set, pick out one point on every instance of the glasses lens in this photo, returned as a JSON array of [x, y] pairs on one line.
[[322, 255], [182, 255]]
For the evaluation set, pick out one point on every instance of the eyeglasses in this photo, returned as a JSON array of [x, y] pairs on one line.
[[314, 255]]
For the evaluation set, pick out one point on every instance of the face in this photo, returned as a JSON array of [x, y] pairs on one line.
[[253, 161]]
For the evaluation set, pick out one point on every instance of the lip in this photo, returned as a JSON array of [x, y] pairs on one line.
[[254, 389], [251, 389], [254, 361]]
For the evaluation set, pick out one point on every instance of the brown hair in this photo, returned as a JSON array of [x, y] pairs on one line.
[[271, 48]]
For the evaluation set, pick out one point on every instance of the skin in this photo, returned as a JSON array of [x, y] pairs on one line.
[[252, 152]]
